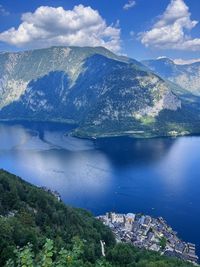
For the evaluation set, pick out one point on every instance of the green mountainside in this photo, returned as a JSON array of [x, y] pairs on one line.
[[49, 233], [29, 214], [102, 93]]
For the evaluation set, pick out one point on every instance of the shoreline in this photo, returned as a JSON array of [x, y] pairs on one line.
[[147, 232], [135, 134]]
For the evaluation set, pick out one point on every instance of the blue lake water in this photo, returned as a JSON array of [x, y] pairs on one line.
[[159, 177]]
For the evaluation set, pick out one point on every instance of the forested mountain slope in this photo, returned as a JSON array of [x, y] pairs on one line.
[[29, 215]]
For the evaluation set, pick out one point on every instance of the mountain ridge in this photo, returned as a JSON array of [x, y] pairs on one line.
[[105, 94], [185, 75]]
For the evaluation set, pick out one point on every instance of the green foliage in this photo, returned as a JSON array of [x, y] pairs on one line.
[[163, 242], [122, 255], [127, 255], [49, 257], [38, 231], [30, 215]]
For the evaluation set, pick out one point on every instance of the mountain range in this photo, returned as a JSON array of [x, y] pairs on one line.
[[187, 75], [103, 94]]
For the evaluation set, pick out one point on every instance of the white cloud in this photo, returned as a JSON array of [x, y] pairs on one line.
[[81, 26], [162, 57], [130, 4], [170, 31], [181, 61], [3, 11]]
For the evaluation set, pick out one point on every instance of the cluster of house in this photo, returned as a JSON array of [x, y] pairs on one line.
[[150, 233]]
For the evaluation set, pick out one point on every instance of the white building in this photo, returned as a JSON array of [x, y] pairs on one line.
[[117, 218]]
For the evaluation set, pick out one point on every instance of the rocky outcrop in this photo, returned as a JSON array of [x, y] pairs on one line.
[[187, 76]]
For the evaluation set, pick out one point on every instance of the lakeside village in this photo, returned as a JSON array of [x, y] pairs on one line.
[[146, 232], [149, 233]]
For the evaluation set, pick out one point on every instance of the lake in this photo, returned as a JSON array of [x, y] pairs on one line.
[[159, 177]]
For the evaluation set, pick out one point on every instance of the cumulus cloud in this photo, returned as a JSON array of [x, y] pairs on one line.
[[130, 4], [81, 26], [170, 30], [3, 11]]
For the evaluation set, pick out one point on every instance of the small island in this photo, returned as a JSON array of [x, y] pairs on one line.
[[144, 231]]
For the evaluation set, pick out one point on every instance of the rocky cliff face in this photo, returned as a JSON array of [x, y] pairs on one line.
[[17, 70], [96, 89], [186, 76]]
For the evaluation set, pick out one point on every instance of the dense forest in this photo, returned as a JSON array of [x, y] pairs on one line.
[[38, 230]]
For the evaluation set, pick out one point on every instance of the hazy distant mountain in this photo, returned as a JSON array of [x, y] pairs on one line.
[[187, 76], [103, 93]]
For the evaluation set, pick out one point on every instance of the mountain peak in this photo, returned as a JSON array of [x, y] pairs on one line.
[[165, 59], [184, 73], [101, 92]]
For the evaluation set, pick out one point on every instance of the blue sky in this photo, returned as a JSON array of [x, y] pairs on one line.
[[140, 29]]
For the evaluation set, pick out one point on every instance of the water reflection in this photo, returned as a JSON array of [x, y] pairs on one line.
[[182, 159], [129, 151], [48, 157], [155, 176]]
